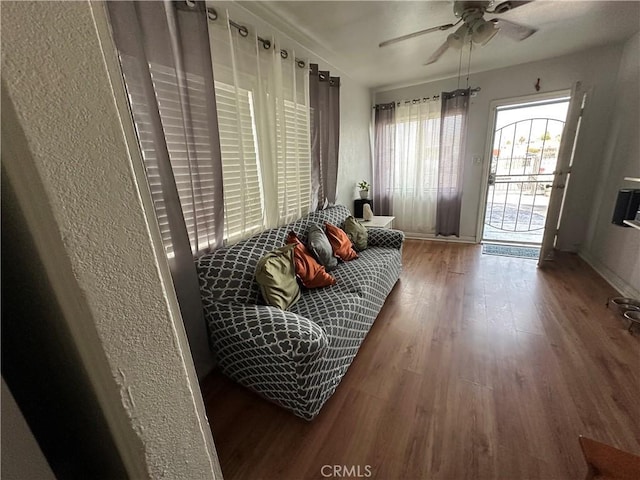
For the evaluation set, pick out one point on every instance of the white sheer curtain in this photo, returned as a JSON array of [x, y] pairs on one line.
[[282, 114], [263, 113], [415, 164]]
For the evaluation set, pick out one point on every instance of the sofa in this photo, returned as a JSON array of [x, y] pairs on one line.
[[295, 358]]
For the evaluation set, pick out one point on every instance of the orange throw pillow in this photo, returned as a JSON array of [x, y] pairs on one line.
[[308, 270], [340, 243]]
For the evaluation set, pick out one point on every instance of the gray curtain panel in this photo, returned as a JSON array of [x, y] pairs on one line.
[[324, 104], [453, 138], [383, 167], [166, 64]]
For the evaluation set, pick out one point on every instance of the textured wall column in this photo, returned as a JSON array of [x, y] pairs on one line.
[[77, 185]]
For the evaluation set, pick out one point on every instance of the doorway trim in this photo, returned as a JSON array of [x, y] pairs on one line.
[[488, 147], [204, 450], [100, 249]]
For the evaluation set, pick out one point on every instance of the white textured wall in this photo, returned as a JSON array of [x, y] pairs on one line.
[[22, 458], [354, 162], [611, 249], [75, 182], [595, 68]]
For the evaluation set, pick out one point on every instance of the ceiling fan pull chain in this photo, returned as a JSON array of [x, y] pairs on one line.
[[469, 64], [460, 68]]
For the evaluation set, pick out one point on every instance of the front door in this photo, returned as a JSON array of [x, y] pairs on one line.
[[562, 172], [526, 144]]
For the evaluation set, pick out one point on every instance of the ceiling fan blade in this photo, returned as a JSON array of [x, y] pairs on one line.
[[438, 53], [513, 30], [418, 33], [506, 6]]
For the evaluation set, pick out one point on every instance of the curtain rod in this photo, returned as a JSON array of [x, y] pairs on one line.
[[212, 15], [417, 100]]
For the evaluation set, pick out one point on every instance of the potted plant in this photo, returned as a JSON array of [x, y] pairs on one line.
[[364, 189]]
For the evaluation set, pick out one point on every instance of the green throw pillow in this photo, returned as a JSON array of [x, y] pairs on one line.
[[356, 233], [276, 275]]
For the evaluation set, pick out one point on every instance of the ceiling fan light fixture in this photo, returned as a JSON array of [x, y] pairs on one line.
[[483, 31], [456, 39]]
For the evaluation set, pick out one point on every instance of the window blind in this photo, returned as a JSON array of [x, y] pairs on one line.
[[192, 170], [243, 192], [294, 161]]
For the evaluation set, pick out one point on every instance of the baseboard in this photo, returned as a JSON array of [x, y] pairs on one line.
[[432, 237], [610, 277]]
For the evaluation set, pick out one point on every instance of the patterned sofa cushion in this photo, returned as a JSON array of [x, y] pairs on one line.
[[335, 215], [228, 274]]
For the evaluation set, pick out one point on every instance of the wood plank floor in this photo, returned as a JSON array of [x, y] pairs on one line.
[[477, 367]]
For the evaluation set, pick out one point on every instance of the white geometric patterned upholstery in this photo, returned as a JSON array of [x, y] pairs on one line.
[[295, 358]]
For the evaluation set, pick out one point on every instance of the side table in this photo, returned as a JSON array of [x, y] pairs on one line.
[[378, 221]]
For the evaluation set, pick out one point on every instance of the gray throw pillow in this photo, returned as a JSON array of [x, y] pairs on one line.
[[356, 233], [320, 247]]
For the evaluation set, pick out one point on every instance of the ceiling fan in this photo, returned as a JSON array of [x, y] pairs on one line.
[[474, 27]]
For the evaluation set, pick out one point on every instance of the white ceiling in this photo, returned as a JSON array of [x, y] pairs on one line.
[[347, 34]]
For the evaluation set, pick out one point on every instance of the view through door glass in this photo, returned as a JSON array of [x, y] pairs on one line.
[[524, 155]]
